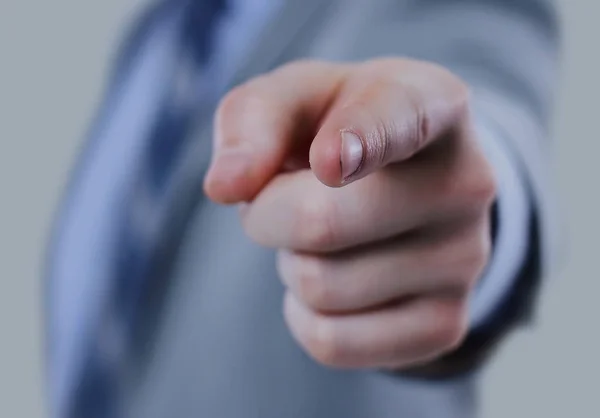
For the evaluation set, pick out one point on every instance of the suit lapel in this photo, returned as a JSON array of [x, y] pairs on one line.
[[281, 37], [290, 25]]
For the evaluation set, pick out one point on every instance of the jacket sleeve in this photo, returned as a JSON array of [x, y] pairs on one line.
[[507, 52]]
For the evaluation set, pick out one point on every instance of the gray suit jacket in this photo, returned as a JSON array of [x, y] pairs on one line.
[[218, 347]]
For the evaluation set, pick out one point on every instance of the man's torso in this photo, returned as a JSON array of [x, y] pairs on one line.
[[220, 347]]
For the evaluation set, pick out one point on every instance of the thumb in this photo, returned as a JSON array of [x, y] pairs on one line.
[[261, 124], [391, 111]]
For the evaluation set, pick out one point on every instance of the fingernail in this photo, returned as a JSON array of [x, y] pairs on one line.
[[351, 155]]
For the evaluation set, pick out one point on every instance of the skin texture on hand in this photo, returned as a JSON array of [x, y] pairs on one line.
[[369, 182]]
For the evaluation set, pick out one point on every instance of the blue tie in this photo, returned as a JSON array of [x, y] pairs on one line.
[[142, 249]]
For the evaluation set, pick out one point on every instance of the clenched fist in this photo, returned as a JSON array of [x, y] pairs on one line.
[[369, 181]]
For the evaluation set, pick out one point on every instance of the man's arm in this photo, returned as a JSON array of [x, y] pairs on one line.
[[417, 225]]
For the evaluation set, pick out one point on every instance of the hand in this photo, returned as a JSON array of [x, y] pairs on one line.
[[382, 236]]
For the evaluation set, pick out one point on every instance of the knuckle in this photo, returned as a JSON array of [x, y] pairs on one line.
[[482, 252], [420, 125], [475, 258], [461, 96], [383, 130], [422, 128], [307, 67], [483, 191], [325, 345], [479, 185], [313, 286], [315, 223], [298, 66], [229, 105], [454, 334], [382, 136], [242, 104], [470, 185], [461, 283], [449, 325], [285, 264], [460, 90]]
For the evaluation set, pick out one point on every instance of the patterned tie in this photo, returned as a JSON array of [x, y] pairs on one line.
[[142, 248]]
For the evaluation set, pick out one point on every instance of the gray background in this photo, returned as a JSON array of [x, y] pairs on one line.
[[53, 58]]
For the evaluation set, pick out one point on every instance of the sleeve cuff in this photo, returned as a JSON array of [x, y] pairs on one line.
[[511, 239]]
